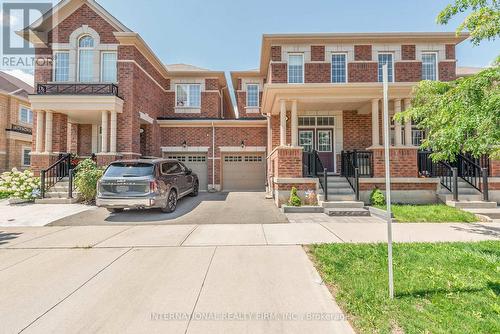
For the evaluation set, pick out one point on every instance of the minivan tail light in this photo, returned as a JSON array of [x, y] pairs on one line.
[[153, 186]]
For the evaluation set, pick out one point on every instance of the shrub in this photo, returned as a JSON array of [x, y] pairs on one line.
[[19, 185], [377, 197], [87, 175], [311, 198], [294, 198]]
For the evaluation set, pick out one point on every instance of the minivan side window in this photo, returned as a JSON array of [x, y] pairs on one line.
[[170, 168]]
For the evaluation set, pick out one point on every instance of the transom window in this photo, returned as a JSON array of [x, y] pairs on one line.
[[296, 68], [339, 69], [307, 121], [86, 59], [188, 95], [386, 58], [312, 121], [429, 66], [25, 115], [253, 95], [108, 67], [61, 66], [325, 121]]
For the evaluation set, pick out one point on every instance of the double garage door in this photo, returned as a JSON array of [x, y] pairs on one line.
[[240, 172]]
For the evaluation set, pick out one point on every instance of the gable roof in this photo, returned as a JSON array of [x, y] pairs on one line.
[[14, 86]]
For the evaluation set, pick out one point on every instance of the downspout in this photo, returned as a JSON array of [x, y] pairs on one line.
[[221, 93], [213, 159]]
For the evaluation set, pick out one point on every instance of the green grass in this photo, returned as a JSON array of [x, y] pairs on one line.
[[439, 288], [432, 213]]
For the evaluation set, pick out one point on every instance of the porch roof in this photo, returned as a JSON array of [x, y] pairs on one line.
[[327, 96]]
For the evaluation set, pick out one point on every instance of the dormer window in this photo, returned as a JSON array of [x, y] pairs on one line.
[[86, 59], [253, 95], [188, 95]]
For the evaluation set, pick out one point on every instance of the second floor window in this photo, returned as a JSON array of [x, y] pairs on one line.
[[108, 67], [61, 66], [188, 95], [339, 72], [86, 59], [386, 58], [296, 68], [429, 66], [253, 95], [25, 115]]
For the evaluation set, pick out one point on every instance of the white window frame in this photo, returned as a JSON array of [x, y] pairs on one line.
[[23, 150], [435, 53], [303, 67], [54, 65], [378, 63], [102, 65], [187, 95], [331, 66], [78, 49], [332, 141], [30, 115], [258, 95]]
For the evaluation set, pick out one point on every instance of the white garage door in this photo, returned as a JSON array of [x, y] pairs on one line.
[[196, 162], [244, 172]]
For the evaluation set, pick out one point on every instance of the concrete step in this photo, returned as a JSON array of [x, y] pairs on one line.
[[472, 204], [347, 212], [342, 204], [337, 180], [340, 191], [56, 201], [337, 198], [461, 197], [60, 194]]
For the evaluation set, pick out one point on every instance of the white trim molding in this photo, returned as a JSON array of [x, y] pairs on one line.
[[146, 118], [182, 149]]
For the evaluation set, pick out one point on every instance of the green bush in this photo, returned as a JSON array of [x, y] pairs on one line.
[[377, 198], [87, 175], [20, 185], [294, 198]]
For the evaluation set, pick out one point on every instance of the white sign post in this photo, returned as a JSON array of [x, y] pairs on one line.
[[385, 76]]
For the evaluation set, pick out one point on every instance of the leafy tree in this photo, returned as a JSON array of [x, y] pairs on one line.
[[482, 23], [462, 115]]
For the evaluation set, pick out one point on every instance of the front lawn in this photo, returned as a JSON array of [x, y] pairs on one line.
[[439, 288], [432, 213]]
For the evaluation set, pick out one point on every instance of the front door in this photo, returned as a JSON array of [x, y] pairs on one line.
[[324, 146]]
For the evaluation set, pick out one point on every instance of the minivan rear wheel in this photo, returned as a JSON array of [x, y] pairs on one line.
[[171, 203]]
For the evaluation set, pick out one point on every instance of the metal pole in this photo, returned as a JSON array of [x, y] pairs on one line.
[[70, 184], [325, 180], [486, 196], [356, 180], [42, 183], [388, 178], [454, 172]]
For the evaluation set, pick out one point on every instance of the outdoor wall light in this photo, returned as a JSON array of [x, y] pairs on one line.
[[242, 144], [184, 144]]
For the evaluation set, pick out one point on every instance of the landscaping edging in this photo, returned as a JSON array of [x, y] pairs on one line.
[[379, 213], [302, 209]]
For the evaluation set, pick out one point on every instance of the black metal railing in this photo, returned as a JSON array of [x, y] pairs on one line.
[[20, 129], [77, 89], [55, 173], [363, 160], [313, 167], [469, 171], [351, 172]]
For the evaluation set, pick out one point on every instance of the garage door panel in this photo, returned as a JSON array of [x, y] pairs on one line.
[[197, 163], [245, 172]]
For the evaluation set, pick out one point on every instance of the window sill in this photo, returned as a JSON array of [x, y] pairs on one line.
[[187, 110]]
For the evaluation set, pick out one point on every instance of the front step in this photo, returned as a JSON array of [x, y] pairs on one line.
[[56, 200], [461, 197], [337, 198], [342, 205], [472, 204], [347, 212]]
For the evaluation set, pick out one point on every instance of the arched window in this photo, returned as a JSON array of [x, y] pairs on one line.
[[86, 59]]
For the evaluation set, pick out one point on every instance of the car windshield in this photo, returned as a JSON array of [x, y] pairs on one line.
[[129, 169]]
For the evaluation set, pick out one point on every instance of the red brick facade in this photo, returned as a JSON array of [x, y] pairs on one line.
[[286, 162], [447, 70], [276, 53], [450, 51], [403, 162], [408, 52], [408, 71], [357, 130], [317, 73], [362, 52], [279, 73], [317, 52], [362, 72]]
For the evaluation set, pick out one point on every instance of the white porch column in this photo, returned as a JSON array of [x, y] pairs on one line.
[[295, 125], [408, 136], [95, 137], [375, 125], [104, 134], [398, 139], [282, 123], [112, 135], [39, 131], [48, 132]]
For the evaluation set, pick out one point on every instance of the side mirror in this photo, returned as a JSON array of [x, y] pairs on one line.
[[189, 171]]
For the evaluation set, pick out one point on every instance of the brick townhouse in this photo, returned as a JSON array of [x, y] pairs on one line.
[[16, 121], [315, 101]]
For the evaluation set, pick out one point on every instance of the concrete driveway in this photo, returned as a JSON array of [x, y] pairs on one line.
[[206, 208]]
